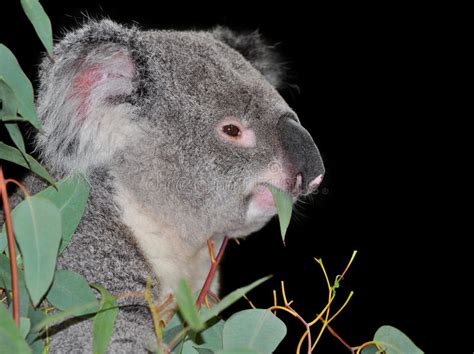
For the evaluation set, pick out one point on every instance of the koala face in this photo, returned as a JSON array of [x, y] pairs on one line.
[[190, 123]]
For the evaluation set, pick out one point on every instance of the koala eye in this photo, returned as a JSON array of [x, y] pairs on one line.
[[231, 130]]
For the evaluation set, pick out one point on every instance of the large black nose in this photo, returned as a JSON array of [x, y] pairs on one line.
[[301, 152]]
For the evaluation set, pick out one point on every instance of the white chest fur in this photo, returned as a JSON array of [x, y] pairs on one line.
[[169, 255]]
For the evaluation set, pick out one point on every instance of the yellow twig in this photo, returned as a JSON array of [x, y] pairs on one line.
[[318, 317], [250, 302], [366, 344], [154, 314], [210, 246], [342, 307], [135, 294], [326, 321], [283, 292], [300, 343], [283, 309]]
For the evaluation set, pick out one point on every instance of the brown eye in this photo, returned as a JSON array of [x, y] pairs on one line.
[[231, 130]]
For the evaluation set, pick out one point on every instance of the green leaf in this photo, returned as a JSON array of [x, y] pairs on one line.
[[16, 136], [70, 289], [284, 205], [188, 348], [19, 260], [86, 309], [212, 336], [9, 153], [395, 341], [6, 277], [11, 340], [37, 227], [255, 329], [25, 326], [37, 347], [3, 241], [70, 196], [104, 321], [231, 298], [15, 78], [40, 21], [185, 301], [32, 339], [7, 98], [172, 328], [370, 349], [238, 351]]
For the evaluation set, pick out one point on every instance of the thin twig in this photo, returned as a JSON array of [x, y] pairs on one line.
[[154, 314], [338, 337], [212, 272], [11, 249]]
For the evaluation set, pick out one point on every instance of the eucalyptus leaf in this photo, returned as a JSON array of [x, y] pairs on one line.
[[8, 100], [25, 326], [86, 309], [394, 341], [172, 328], [6, 278], [185, 301], [284, 205], [255, 329], [238, 351], [9, 153], [37, 347], [70, 196], [15, 78], [104, 321], [19, 260], [11, 340], [35, 317], [37, 227], [70, 289], [212, 336], [16, 136], [231, 298], [370, 349], [40, 21], [3, 240]]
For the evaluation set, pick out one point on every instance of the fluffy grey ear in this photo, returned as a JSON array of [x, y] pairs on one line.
[[257, 51], [83, 99]]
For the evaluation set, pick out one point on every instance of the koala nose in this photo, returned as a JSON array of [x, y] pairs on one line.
[[301, 153]]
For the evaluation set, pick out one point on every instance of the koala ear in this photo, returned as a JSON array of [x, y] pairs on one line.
[[257, 51], [85, 100], [105, 74]]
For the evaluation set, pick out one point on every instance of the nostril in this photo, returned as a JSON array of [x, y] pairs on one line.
[[315, 183]]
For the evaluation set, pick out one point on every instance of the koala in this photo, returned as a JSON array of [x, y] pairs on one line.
[[180, 133]]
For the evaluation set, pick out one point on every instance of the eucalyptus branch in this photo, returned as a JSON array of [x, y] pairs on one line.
[[214, 265], [11, 248]]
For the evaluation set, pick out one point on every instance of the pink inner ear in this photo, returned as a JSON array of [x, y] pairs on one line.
[[117, 68], [82, 86]]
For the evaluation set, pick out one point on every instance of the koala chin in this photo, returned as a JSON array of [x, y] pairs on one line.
[[180, 133]]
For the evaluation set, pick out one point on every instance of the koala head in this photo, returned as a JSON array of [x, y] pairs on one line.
[[190, 123]]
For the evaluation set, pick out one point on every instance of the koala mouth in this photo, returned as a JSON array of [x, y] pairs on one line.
[[262, 198]]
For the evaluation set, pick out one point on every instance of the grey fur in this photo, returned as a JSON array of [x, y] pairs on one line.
[[256, 50], [136, 112]]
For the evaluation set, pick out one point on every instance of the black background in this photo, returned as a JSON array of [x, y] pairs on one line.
[[368, 80]]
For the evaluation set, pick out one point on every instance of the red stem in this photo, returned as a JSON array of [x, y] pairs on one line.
[[212, 272], [11, 248], [333, 332]]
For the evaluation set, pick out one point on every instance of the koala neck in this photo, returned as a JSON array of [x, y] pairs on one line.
[[171, 255]]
